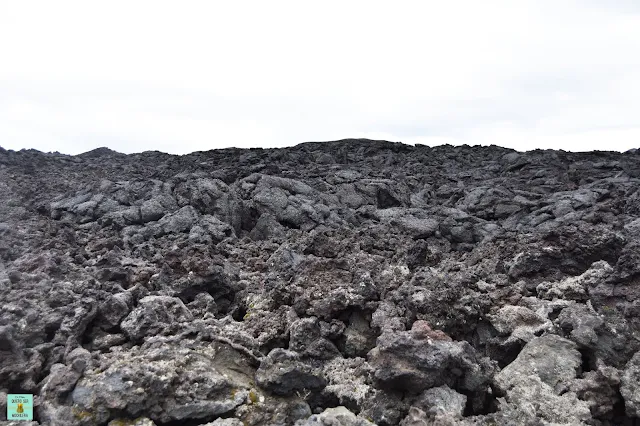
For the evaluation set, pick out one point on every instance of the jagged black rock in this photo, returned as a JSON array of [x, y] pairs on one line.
[[353, 282]]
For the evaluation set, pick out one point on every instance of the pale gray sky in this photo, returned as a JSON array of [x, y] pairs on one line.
[[183, 76]]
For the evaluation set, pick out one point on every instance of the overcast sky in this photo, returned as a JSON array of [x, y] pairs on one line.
[[183, 76]]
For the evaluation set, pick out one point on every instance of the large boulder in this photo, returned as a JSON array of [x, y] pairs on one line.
[[168, 380], [421, 358], [539, 379]]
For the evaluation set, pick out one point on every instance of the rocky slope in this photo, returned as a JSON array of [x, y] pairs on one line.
[[344, 283]]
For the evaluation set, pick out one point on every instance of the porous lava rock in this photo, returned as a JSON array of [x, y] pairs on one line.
[[353, 282]]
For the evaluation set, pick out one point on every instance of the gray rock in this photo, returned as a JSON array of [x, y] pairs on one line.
[[325, 158], [554, 360], [539, 379], [173, 381], [442, 401], [633, 228], [225, 422], [562, 208], [282, 373], [519, 322], [213, 227], [306, 339], [152, 210], [601, 339], [576, 288], [326, 251], [417, 417], [533, 399], [359, 337], [179, 221], [600, 389], [141, 421], [60, 381], [583, 323], [415, 361], [630, 386], [421, 228], [153, 314], [338, 416], [78, 359], [19, 423], [348, 380], [105, 341], [114, 309], [267, 227]]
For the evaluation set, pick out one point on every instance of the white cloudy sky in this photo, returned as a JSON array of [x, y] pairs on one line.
[[183, 76]]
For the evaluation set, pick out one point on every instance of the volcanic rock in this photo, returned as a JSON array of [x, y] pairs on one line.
[[352, 282]]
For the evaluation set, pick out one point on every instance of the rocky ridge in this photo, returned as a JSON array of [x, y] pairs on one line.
[[346, 283]]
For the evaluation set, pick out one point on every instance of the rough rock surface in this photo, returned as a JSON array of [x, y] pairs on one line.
[[538, 379], [338, 416], [630, 388], [345, 283]]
